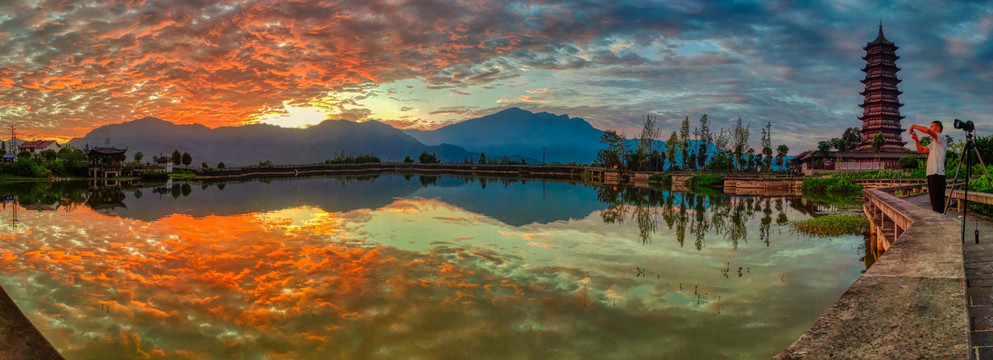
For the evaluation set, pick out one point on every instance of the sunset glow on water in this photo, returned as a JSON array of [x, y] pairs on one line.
[[216, 274]]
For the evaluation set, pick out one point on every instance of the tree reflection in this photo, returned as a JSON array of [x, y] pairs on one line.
[[699, 214]]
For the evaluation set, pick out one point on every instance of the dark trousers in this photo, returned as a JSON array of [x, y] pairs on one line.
[[936, 188]]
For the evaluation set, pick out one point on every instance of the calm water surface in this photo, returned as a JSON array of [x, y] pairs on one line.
[[395, 267]]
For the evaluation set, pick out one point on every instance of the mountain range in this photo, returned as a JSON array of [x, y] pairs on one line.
[[557, 138], [516, 133], [250, 144]]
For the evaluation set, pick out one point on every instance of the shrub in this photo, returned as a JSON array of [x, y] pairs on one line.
[[153, 176], [707, 180], [908, 162], [834, 186], [663, 179], [833, 225]]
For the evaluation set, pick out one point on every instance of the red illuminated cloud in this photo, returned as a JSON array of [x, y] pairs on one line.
[[71, 67]]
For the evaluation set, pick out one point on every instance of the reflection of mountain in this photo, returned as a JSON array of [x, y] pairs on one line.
[[332, 194], [511, 202]]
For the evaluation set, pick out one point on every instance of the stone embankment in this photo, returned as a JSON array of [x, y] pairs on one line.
[[18, 338]]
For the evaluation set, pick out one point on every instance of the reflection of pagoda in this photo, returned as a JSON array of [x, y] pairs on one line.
[[881, 107]]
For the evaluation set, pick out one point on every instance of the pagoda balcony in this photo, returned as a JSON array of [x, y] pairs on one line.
[[881, 63], [881, 112], [876, 102], [892, 89], [880, 124], [878, 55], [882, 78], [883, 50], [881, 97], [871, 87], [880, 72], [874, 117]]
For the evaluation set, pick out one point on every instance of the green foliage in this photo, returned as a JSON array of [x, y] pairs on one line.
[[613, 155], [187, 159], [833, 186], [183, 175], [661, 179], [426, 158], [48, 155], [877, 142], [706, 180], [781, 152], [341, 158], [875, 174], [26, 167], [981, 184], [138, 156], [671, 147], [265, 164], [908, 162], [833, 225], [153, 176], [221, 165], [177, 157]]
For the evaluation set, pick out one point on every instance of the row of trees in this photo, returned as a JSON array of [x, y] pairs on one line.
[[701, 148], [67, 161]]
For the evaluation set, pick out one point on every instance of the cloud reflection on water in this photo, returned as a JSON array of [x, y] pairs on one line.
[[418, 278]]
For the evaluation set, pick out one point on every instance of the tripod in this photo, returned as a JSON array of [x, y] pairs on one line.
[[970, 145]]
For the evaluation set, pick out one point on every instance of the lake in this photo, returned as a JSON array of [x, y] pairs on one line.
[[415, 267]]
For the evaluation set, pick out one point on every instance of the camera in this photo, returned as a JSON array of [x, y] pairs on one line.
[[964, 125]]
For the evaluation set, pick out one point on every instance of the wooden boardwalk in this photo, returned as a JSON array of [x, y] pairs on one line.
[[978, 259]]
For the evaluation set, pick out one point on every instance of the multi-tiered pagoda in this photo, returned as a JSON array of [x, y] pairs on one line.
[[881, 107], [880, 115]]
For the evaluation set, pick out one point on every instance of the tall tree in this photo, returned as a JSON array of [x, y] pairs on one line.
[[138, 156], [739, 136], [767, 147], [187, 159], [850, 140], [684, 138], [705, 137], [877, 144], [177, 157], [671, 147], [646, 142], [781, 152], [613, 155]]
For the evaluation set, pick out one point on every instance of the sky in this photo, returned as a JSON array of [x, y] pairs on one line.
[[67, 67]]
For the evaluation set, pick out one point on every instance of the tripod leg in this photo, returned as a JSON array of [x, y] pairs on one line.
[[948, 201], [983, 163]]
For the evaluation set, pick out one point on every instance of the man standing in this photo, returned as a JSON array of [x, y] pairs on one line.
[[935, 162]]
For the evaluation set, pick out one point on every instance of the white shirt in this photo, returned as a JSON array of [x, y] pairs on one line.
[[936, 155]]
